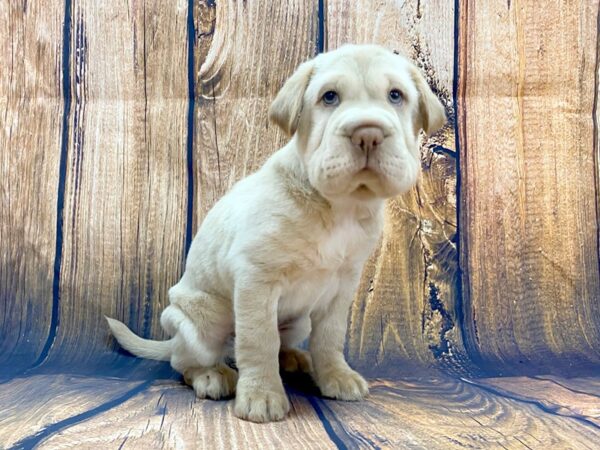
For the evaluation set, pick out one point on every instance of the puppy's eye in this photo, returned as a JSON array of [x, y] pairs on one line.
[[331, 98], [395, 96]]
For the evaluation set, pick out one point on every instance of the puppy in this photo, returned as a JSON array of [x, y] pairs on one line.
[[278, 259]]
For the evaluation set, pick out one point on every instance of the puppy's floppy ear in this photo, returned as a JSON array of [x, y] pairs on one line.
[[432, 115], [287, 106]]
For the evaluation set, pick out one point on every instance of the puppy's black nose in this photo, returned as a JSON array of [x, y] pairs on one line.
[[367, 137]]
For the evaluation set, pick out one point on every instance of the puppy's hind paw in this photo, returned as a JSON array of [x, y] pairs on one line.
[[294, 360], [342, 384], [212, 382]]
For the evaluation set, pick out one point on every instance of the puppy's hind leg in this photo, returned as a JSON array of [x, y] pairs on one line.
[[201, 324]]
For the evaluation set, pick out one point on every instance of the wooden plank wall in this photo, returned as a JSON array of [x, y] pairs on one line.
[[30, 154], [123, 123], [241, 62], [126, 185], [529, 198]]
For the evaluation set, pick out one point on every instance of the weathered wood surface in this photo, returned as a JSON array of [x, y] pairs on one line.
[[31, 405], [588, 385], [169, 416], [126, 180], [406, 307], [554, 395], [242, 60], [446, 413], [30, 147], [529, 199], [432, 413]]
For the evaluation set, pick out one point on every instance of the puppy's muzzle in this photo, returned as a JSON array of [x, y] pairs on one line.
[[367, 137], [366, 128]]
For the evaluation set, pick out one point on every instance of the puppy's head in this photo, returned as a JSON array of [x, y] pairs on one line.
[[357, 112]]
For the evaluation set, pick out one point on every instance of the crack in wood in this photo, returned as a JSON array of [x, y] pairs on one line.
[[441, 321]]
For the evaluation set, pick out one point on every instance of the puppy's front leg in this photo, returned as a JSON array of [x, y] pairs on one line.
[[333, 375], [260, 395]]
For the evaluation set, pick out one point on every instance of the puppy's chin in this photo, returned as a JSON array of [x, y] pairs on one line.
[[377, 187], [365, 185]]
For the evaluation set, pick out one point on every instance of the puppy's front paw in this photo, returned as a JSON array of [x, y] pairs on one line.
[[261, 405], [342, 383], [294, 360]]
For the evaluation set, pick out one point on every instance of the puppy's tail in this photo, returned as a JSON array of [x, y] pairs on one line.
[[146, 348]]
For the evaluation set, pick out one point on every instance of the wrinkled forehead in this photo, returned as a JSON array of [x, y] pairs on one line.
[[371, 70]]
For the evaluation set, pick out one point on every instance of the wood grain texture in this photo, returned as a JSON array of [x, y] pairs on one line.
[[242, 61], [125, 200], [405, 311], [30, 140], [528, 194], [551, 395], [585, 385], [442, 413], [168, 416], [31, 404], [596, 131], [431, 413]]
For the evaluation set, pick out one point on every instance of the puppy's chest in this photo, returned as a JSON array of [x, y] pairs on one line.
[[346, 244], [325, 263]]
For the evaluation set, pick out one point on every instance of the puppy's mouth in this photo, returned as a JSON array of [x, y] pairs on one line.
[[367, 179], [363, 189], [363, 192]]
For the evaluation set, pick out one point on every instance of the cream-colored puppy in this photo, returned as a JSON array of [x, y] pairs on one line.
[[278, 259]]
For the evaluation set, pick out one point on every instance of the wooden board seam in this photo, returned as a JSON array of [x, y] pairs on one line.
[[66, 89], [191, 68], [314, 402]]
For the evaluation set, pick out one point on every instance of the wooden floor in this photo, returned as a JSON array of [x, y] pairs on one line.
[[70, 411]]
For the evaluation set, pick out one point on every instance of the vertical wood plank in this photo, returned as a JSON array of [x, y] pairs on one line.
[[596, 131], [31, 109], [529, 198], [406, 306], [244, 51], [125, 202]]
